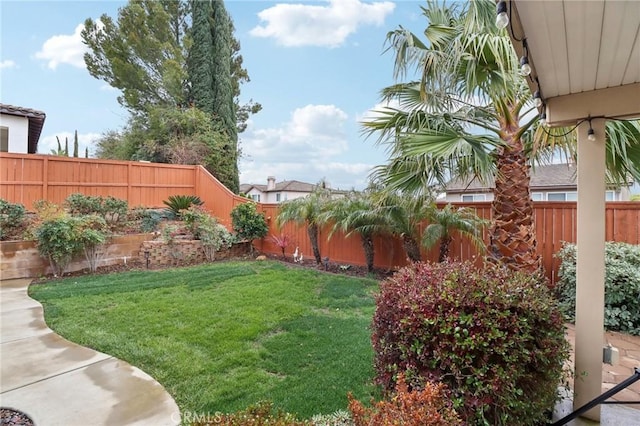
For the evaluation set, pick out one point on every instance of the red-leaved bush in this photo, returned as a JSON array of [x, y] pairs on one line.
[[495, 338], [425, 407]]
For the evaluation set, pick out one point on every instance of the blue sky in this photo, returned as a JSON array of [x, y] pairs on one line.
[[316, 67]]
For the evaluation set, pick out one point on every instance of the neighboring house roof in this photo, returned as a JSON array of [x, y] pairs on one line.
[[36, 122], [552, 176], [286, 185]]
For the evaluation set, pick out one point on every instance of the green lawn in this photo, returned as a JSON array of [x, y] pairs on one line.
[[223, 336]]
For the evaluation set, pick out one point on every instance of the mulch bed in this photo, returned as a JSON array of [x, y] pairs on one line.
[[11, 417], [334, 267], [140, 265]]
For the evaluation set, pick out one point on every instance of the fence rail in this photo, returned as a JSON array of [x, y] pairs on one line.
[[27, 178]]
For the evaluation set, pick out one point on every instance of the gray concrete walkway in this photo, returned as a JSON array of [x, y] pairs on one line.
[[57, 382]]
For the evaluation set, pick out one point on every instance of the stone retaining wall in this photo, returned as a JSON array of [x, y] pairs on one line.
[[185, 252], [21, 259]]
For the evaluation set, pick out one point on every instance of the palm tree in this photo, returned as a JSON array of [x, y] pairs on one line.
[[356, 213], [443, 222], [467, 117], [403, 214], [306, 210]]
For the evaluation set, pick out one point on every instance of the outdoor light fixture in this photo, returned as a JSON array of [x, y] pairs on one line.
[[146, 257], [525, 68], [537, 100], [502, 20], [543, 119], [591, 135]]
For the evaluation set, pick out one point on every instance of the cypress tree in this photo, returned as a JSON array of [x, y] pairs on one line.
[[75, 144], [199, 62], [222, 88]]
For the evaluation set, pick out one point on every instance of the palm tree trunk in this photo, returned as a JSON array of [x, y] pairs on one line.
[[411, 248], [367, 245], [312, 231], [445, 243], [512, 232]]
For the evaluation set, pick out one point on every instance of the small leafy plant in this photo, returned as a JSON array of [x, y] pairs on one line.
[[261, 414], [247, 223], [12, 218], [428, 406], [206, 228], [92, 233], [176, 203], [281, 241], [148, 220]]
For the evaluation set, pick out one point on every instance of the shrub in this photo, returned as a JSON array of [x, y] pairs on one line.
[[46, 210], [112, 210], [92, 233], [12, 218], [205, 228], [58, 240], [176, 203], [622, 285], [247, 223], [261, 414], [428, 406], [79, 204], [495, 338]]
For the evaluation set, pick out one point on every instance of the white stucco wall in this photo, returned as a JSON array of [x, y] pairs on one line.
[[272, 197], [284, 196], [18, 132]]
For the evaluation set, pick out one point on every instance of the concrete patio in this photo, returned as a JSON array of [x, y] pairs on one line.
[[56, 382], [612, 414]]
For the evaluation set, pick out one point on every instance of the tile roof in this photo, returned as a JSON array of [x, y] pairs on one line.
[[36, 122], [286, 185], [542, 177]]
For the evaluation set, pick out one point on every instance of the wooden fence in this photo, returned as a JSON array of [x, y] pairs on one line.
[[27, 178]]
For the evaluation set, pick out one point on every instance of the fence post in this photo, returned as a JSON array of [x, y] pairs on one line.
[[129, 167], [45, 178]]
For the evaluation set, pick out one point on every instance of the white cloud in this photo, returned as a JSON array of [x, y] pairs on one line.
[[64, 49], [7, 63], [306, 148], [295, 25], [374, 112], [314, 132], [85, 140]]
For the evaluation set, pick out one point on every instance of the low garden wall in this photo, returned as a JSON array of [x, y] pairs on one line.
[[21, 259], [185, 252]]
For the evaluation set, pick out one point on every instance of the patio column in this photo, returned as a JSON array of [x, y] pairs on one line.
[[590, 267]]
